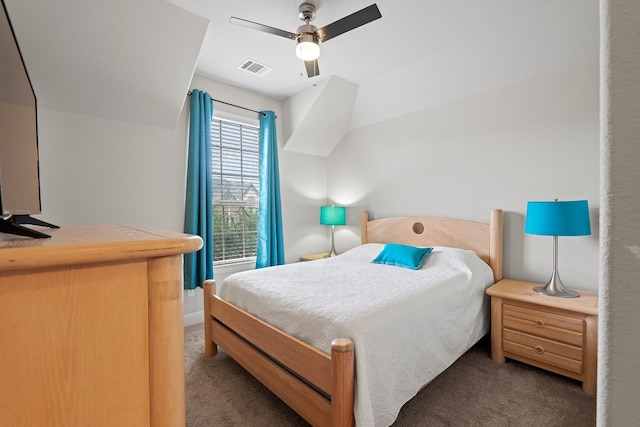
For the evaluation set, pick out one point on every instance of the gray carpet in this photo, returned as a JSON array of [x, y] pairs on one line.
[[474, 391]]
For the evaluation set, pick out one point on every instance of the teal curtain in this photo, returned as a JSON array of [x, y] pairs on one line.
[[198, 214], [270, 239]]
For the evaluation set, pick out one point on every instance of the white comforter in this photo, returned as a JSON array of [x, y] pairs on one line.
[[407, 325]]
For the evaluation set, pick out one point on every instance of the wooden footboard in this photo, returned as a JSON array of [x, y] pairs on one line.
[[317, 386]]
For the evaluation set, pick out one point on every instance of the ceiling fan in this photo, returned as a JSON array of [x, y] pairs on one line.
[[308, 37]]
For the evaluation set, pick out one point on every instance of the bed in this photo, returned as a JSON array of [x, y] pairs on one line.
[[326, 377]]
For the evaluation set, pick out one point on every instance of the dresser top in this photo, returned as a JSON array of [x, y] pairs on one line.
[[92, 243]]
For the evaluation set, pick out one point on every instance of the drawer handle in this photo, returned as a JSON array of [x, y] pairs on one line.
[[539, 349], [539, 323]]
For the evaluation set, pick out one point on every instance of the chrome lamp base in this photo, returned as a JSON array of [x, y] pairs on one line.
[[555, 288], [332, 252]]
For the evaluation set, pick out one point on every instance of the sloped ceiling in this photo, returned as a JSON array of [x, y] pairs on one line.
[[319, 117], [134, 60], [420, 54], [117, 59]]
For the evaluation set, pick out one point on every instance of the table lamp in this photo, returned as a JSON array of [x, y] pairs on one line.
[[332, 215], [566, 218]]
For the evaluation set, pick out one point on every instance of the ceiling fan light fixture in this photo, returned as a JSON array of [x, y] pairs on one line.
[[307, 48], [308, 37]]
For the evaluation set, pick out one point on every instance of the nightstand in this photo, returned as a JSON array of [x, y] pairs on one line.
[[552, 333], [313, 257]]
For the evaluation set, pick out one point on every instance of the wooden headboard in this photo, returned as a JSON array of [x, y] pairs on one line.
[[484, 239]]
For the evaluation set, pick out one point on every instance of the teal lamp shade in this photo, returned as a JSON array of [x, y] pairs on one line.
[[554, 218], [333, 215]]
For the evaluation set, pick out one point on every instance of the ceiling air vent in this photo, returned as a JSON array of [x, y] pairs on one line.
[[253, 67]]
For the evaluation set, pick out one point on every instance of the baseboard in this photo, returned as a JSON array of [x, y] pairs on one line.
[[193, 318]]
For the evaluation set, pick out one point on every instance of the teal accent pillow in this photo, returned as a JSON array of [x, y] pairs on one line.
[[403, 256]]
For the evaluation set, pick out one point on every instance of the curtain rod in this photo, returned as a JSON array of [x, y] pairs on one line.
[[233, 105]]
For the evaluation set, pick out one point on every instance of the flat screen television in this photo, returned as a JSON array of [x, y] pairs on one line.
[[19, 162]]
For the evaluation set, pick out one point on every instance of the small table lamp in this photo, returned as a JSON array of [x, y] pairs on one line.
[[332, 215], [569, 218]]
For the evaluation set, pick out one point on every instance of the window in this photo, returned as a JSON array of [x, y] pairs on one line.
[[236, 187]]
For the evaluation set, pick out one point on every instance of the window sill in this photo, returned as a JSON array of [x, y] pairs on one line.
[[229, 267]]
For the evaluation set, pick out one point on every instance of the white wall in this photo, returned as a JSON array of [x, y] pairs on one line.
[[618, 374], [535, 140], [303, 184], [530, 141], [97, 171]]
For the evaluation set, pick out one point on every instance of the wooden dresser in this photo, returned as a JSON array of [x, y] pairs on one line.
[[91, 327], [557, 334]]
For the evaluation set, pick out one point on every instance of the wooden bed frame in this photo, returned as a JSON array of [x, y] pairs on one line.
[[318, 386]]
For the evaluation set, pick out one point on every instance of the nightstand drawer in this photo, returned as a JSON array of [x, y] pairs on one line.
[[546, 351], [556, 327]]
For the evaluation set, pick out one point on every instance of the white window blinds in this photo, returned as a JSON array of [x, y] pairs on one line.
[[236, 187]]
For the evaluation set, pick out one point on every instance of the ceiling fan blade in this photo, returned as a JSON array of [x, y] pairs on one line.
[[348, 23], [312, 68], [263, 28]]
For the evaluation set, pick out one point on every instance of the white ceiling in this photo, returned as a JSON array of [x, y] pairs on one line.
[[129, 60], [421, 53], [134, 59]]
